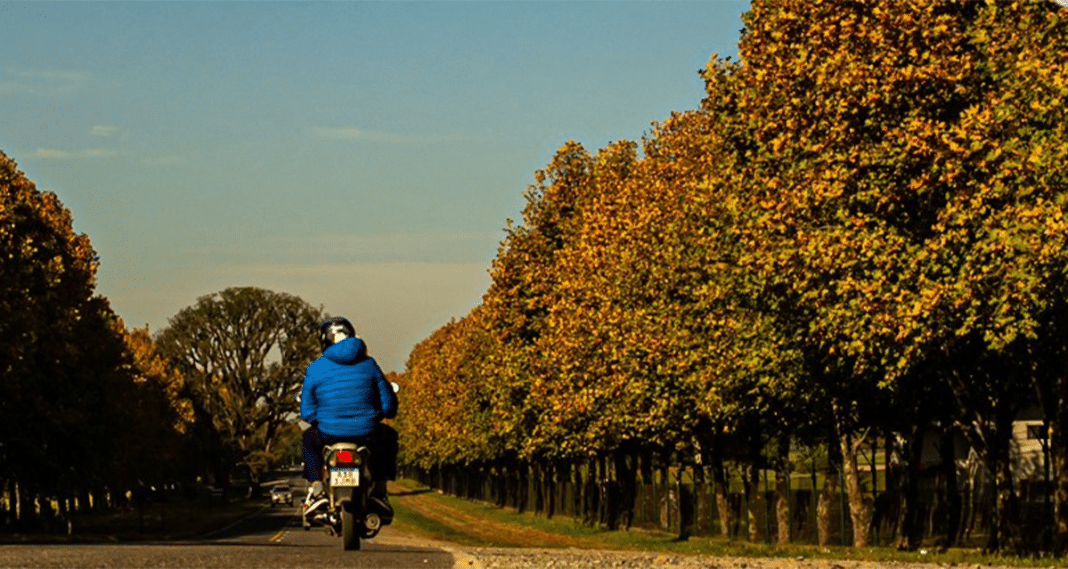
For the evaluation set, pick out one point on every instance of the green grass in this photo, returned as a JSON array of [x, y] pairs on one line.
[[661, 542], [407, 520]]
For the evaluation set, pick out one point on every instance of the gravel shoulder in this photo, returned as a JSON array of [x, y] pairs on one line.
[[528, 558]]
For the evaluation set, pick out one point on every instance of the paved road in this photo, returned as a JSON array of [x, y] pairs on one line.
[[272, 538]]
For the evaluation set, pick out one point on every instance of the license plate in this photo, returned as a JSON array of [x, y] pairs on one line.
[[343, 477]]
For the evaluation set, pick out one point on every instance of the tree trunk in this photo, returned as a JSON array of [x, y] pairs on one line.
[[515, 482], [874, 491], [1058, 441], [892, 496], [753, 498], [720, 488], [523, 487], [665, 493], [782, 489], [579, 501], [859, 510], [1058, 449], [825, 509], [948, 454], [1008, 512], [627, 481], [684, 529], [589, 494], [606, 495], [11, 491], [700, 492], [911, 533], [27, 516], [255, 489], [550, 490], [501, 483], [539, 488]]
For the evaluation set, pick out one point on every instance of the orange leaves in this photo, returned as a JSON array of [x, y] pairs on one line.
[[46, 270], [152, 370]]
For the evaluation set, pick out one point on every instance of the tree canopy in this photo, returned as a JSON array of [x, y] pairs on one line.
[[73, 380], [242, 352], [866, 207]]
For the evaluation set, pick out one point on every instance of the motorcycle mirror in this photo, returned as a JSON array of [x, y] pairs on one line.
[[396, 386]]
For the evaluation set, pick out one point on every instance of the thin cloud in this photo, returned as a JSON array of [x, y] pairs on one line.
[[51, 153], [380, 137], [98, 153], [336, 133], [164, 161], [103, 131], [47, 83], [88, 154]]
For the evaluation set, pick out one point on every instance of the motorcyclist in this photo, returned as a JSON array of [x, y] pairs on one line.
[[345, 397]]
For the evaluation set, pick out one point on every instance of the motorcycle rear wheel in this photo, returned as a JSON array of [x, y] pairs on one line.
[[350, 535]]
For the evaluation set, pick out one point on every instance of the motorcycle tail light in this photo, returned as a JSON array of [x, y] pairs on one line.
[[346, 457]]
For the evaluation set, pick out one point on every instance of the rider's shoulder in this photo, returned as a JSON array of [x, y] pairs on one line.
[[318, 363]]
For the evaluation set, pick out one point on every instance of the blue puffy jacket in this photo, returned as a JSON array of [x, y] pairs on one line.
[[346, 392]]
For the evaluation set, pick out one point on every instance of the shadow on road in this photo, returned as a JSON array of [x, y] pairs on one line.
[[265, 521]]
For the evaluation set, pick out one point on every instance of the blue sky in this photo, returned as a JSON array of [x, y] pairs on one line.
[[364, 156]]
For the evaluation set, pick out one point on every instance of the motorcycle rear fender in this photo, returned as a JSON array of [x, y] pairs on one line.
[[341, 495]]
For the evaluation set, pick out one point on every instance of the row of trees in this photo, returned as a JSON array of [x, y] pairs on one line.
[[83, 401], [91, 411], [860, 232]]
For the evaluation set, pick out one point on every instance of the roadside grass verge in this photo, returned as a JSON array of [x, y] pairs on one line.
[[441, 517], [411, 521]]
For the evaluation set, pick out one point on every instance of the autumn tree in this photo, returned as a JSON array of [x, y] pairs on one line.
[[892, 180], [1009, 230], [78, 413], [47, 275], [447, 397], [864, 219], [165, 414], [242, 353], [516, 306]]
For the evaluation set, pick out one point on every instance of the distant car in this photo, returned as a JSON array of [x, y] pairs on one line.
[[281, 494]]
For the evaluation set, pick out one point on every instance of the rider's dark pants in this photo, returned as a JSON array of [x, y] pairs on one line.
[[382, 443]]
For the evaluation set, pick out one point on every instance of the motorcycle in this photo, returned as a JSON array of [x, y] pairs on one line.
[[350, 511]]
